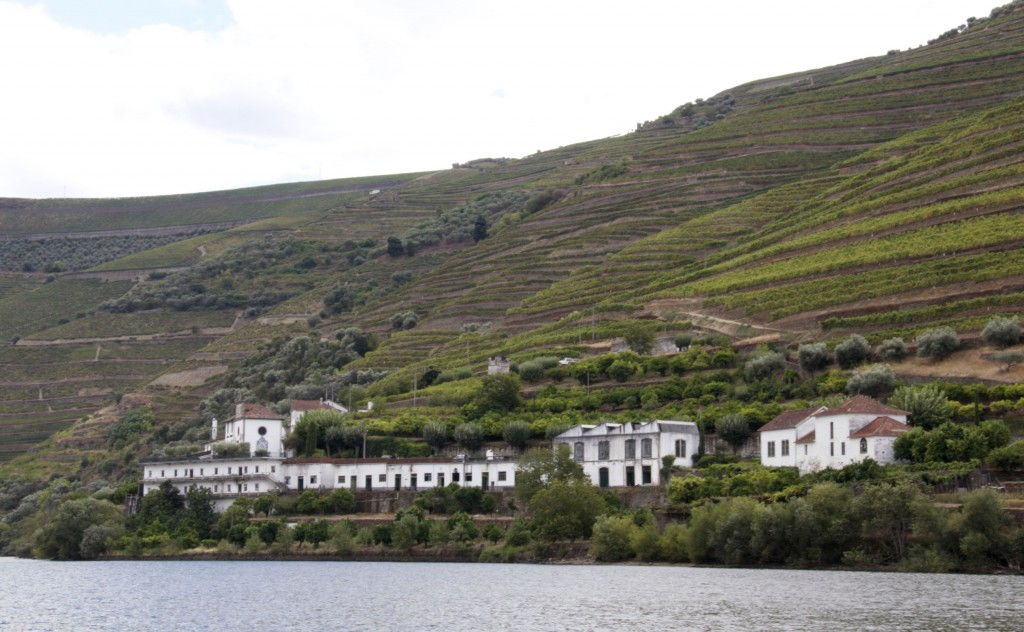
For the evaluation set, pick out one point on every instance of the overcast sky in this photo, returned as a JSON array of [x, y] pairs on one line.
[[132, 97]]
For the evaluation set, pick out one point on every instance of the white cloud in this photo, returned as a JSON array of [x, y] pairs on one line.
[[324, 88]]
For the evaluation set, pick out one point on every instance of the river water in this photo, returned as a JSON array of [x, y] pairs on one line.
[[323, 596]]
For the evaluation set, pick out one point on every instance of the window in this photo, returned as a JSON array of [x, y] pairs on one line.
[[257, 469], [312, 480], [161, 473], [863, 446], [784, 444], [215, 471], [216, 488], [805, 449], [771, 448], [681, 448], [229, 487], [426, 477], [257, 487], [831, 430], [273, 468], [842, 447], [175, 473], [501, 475], [382, 478], [831, 449], [630, 448], [645, 449], [341, 479], [287, 481], [202, 472], [469, 477], [245, 487], [149, 474], [577, 450], [602, 450], [229, 470], [646, 473]]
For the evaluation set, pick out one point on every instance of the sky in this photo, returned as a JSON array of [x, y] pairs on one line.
[[105, 98]]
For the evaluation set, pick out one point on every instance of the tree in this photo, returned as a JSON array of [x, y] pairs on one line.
[[435, 433], [927, 405], [1001, 332], [813, 357], [873, 381], [541, 467], [622, 369], [61, 537], [892, 350], [1008, 359], [499, 392], [639, 339], [132, 424], [469, 435], [395, 247], [516, 433], [479, 228], [611, 539], [764, 365], [566, 510], [199, 514], [734, 430], [938, 343], [852, 351]]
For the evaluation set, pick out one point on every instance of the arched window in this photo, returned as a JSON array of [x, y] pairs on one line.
[[577, 450], [863, 446], [645, 449], [602, 450]]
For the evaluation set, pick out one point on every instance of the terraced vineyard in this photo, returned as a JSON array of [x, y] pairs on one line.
[[881, 196]]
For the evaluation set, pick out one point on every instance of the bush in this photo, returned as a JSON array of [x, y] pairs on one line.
[[1008, 359], [1008, 458], [516, 434], [892, 350], [764, 365], [1001, 332], [499, 392], [734, 430], [132, 424], [622, 369], [683, 341], [469, 435], [435, 433], [404, 320], [639, 339], [612, 538], [852, 351], [927, 405], [535, 369], [937, 344], [566, 510], [874, 381], [813, 357]]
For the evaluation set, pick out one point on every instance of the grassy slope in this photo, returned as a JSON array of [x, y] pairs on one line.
[[687, 200]]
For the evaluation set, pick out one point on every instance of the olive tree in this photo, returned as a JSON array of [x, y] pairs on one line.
[[1001, 332], [873, 381], [469, 435], [435, 433], [813, 357], [852, 351], [892, 350], [516, 434], [734, 430], [938, 343]]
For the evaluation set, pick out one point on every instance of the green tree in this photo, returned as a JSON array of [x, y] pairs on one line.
[[639, 339], [1001, 332], [395, 247], [874, 381], [927, 405], [499, 392], [566, 510], [734, 430], [479, 228], [938, 343], [60, 538], [199, 515], [612, 538], [541, 467], [435, 433], [852, 351], [132, 424], [813, 357], [469, 435], [516, 433]]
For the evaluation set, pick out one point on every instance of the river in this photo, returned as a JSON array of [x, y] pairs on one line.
[[322, 596]]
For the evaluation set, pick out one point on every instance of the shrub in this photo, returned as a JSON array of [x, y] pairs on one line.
[[734, 430], [1001, 332], [435, 433], [535, 369], [516, 434], [937, 344], [469, 435], [1008, 359], [874, 381], [132, 424], [1008, 458], [852, 351], [892, 350], [927, 405], [612, 537], [622, 369], [639, 339], [813, 357], [764, 365], [404, 320], [498, 392], [683, 341], [566, 510]]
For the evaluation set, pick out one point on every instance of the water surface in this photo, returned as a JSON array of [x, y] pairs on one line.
[[322, 596]]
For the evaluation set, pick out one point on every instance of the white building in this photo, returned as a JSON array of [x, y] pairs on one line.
[[624, 455], [255, 424], [498, 364], [815, 439]]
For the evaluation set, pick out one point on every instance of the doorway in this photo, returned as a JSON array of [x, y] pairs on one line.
[[602, 477], [630, 476], [369, 482], [398, 482], [302, 483], [485, 480]]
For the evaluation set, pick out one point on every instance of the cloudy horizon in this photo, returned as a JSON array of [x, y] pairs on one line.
[[131, 97]]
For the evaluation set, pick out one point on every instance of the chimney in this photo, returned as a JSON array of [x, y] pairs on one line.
[[213, 429], [239, 411]]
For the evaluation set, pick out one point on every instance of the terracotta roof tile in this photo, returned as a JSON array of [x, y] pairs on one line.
[[308, 404], [881, 427], [258, 411], [788, 419], [861, 405], [807, 438]]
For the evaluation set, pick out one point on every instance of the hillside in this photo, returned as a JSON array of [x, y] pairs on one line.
[[879, 197]]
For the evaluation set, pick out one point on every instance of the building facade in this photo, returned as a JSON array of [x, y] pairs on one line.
[[815, 439], [629, 454]]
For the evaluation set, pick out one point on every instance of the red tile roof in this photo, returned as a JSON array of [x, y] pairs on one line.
[[308, 404], [258, 411], [881, 427], [788, 419], [861, 405], [807, 438]]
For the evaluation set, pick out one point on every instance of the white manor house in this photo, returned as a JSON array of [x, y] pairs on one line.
[[817, 438]]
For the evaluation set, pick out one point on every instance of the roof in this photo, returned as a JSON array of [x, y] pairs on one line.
[[862, 405], [255, 411], [630, 428], [308, 404], [807, 438], [400, 461], [789, 419], [881, 427]]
